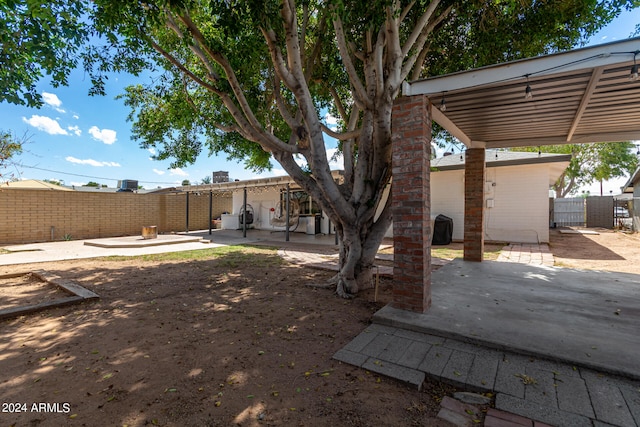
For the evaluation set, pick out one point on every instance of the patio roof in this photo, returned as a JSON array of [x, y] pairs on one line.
[[581, 96]]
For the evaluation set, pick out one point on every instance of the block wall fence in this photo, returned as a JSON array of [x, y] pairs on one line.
[[45, 215]]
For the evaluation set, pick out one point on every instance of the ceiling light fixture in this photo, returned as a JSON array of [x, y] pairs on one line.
[[633, 76], [528, 93], [443, 103]]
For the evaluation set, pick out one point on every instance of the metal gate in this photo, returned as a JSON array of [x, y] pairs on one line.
[[568, 212], [600, 211]]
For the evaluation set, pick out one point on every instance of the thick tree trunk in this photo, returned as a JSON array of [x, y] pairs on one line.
[[355, 269], [358, 248]]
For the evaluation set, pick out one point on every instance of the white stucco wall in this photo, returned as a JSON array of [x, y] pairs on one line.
[[520, 195], [447, 198], [262, 201], [520, 211], [521, 204]]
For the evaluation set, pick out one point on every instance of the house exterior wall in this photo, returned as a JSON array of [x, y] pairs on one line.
[[447, 198], [262, 201], [520, 211], [521, 204], [44, 215]]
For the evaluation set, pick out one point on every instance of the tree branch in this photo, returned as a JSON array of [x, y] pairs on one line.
[[420, 50], [417, 29], [247, 122], [359, 92], [341, 136]]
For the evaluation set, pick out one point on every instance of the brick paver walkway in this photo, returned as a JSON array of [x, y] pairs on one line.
[[555, 393], [527, 253]]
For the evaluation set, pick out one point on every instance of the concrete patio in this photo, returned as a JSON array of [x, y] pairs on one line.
[[556, 345]]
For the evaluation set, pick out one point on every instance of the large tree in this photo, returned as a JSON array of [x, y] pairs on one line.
[[253, 79], [591, 163]]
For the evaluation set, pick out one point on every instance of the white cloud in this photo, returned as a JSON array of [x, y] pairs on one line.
[[45, 124], [331, 122], [75, 116], [107, 136], [338, 163], [158, 171], [52, 100], [177, 171], [91, 162], [152, 151], [75, 130]]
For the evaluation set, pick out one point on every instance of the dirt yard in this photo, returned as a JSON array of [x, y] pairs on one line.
[[216, 340], [608, 251], [235, 339]]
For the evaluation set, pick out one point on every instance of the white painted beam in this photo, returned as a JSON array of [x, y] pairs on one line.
[[579, 59]]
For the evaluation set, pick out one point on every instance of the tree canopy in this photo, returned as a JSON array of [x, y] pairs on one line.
[[10, 147], [253, 79], [591, 163]]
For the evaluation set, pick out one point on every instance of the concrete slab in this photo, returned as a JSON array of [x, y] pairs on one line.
[[139, 242], [76, 249], [577, 317], [578, 232]]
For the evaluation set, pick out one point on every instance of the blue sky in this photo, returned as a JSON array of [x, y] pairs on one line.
[[76, 138]]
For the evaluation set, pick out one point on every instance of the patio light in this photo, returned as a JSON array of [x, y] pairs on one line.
[[528, 93], [443, 103], [634, 71]]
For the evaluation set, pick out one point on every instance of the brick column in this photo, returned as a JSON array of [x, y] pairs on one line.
[[474, 173], [411, 202]]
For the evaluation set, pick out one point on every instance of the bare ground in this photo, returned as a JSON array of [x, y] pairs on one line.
[[217, 341], [608, 251], [208, 342]]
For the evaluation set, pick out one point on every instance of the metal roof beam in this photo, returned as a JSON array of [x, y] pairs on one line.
[[439, 117], [586, 98], [595, 56]]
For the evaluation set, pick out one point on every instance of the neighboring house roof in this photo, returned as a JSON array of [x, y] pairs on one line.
[[631, 183], [34, 184], [557, 163], [279, 181]]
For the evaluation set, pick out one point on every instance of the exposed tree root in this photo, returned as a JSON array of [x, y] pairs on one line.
[[342, 292], [320, 285]]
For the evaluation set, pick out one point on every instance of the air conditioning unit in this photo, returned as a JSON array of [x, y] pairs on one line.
[[128, 185]]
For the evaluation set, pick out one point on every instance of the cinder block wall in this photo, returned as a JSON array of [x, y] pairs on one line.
[[46, 215]]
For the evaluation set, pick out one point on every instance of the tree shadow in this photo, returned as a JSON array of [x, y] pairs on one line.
[[579, 246], [206, 342]]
